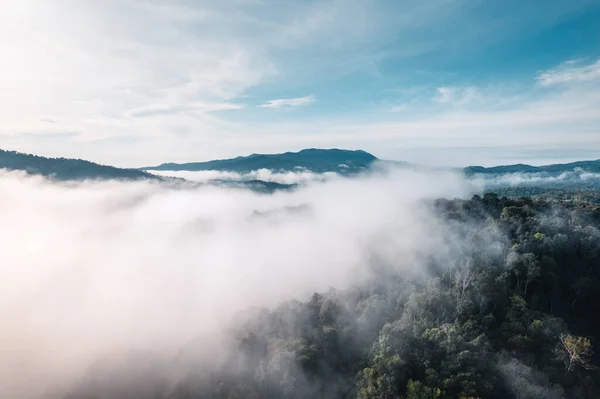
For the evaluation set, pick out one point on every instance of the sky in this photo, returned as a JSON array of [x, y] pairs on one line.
[[445, 82]]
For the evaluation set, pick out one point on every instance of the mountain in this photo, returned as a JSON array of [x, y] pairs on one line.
[[65, 168], [515, 178], [587, 166], [315, 160]]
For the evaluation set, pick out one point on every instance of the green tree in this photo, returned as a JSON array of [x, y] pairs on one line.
[[416, 390], [575, 351]]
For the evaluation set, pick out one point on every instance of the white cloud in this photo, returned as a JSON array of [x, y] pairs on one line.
[[565, 119], [456, 95], [289, 102], [91, 67], [78, 61], [570, 73], [95, 68], [188, 108], [299, 177], [506, 119], [103, 269]]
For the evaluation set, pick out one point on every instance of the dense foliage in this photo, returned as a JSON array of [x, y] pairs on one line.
[[555, 194], [513, 313]]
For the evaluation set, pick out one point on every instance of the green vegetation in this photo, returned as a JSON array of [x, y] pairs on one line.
[[577, 193]]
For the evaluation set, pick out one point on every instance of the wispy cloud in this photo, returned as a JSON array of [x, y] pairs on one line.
[[456, 95], [154, 110], [289, 102], [161, 71], [508, 117], [297, 177], [570, 72]]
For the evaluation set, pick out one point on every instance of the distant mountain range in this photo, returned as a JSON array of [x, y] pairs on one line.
[[569, 176], [66, 169], [347, 161], [565, 181], [587, 166], [315, 160]]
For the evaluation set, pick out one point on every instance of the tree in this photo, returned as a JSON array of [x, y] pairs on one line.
[[382, 380], [533, 270], [575, 351], [416, 390]]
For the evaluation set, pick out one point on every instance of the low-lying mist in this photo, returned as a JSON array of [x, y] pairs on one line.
[[96, 270], [579, 177], [297, 177]]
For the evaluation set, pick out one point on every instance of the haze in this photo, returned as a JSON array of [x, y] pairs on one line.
[[92, 269]]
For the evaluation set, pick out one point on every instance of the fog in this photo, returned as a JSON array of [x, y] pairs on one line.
[[577, 176], [298, 177], [98, 269], [492, 181], [527, 382]]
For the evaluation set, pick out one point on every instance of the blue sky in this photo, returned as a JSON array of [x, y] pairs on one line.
[[447, 82]]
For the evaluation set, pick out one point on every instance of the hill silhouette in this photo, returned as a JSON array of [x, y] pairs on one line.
[[313, 159], [587, 166], [66, 168]]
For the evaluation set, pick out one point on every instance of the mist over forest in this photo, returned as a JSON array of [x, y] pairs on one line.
[[401, 283], [299, 199]]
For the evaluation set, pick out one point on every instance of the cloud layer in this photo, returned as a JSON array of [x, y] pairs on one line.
[[95, 270], [261, 174]]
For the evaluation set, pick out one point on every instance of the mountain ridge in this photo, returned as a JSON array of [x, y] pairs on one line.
[[313, 159], [344, 162], [590, 165], [67, 168], [357, 159]]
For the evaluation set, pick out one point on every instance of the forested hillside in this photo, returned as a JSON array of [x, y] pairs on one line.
[[588, 166], [65, 168], [512, 311], [313, 159]]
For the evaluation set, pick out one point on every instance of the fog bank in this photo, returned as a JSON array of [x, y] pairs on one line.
[[298, 177], [98, 269]]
